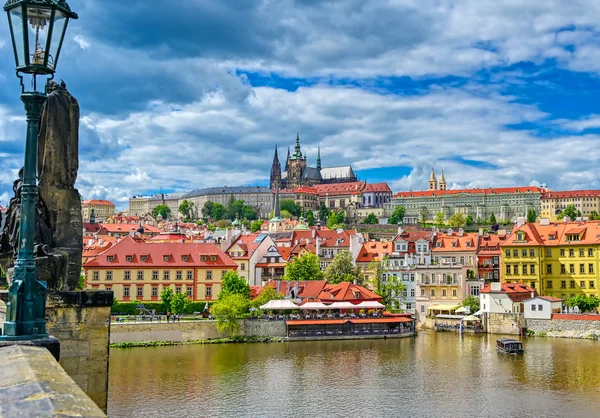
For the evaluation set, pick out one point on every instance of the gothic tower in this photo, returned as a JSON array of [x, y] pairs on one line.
[[287, 160], [275, 172], [433, 183], [319, 158], [442, 181], [296, 166]]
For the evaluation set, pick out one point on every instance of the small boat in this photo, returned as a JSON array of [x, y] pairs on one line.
[[509, 346]]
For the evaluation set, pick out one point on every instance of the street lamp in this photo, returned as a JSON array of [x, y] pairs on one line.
[[37, 30]]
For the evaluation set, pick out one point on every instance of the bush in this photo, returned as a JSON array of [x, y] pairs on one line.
[[130, 307]]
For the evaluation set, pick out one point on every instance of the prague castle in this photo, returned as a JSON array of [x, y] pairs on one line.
[[297, 173]]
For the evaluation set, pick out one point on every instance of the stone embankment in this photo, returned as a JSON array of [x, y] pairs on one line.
[[566, 326]]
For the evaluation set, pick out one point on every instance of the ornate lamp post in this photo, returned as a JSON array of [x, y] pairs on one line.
[[37, 30]]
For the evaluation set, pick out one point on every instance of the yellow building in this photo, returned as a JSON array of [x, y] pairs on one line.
[[557, 259], [585, 201], [102, 209], [137, 270]]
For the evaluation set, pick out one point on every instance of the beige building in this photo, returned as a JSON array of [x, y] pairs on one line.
[[553, 203], [246, 251], [139, 205], [137, 270], [260, 198], [102, 209], [142, 205]]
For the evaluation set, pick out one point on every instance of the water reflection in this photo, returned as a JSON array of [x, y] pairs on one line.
[[435, 374]]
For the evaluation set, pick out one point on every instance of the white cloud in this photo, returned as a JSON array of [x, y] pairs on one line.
[[81, 41]]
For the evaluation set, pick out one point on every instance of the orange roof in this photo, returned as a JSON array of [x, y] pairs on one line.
[[97, 202], [161, 254], [570, 194], [307, 289], [377, 187], [381, 320], [555, 234], [517, 292], [347, 292], [490, 244], [374, 251], [285, 252], [340, 188], [126, 228], [317, 322], [247, 244], [550, 298], [455, 242], [488, 191]]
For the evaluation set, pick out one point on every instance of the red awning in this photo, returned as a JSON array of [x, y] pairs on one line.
[[317, 322], [380, 320]]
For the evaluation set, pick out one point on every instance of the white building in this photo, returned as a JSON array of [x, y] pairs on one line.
[[542, 307], [505, 297]]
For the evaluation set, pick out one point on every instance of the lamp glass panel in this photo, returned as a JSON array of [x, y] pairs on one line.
[[16, 20], [60, 21], [38, 23]]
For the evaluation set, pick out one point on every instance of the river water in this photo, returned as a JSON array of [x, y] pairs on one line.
[[432, 375]]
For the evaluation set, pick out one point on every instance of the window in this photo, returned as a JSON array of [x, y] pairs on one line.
[[516, 269], [203, 258], [562, 252], [591, 284], [213, 258], [243, 266], [140, 291], [508, 269], [188, 291], [209, 275], [531, 252], [532, 284], [110, 258], [154, 291], [96, 275], [422, 308], [155, 275], [143, 258], [582, 284], [515, 253], [524, 252], [140, 275], [408, 306], [507, 253], [581, 252], [109, 275], [127, 275], [540, 308], [166, 275], [190, 274], [572, 284], [590, 268], [549, 284], [208, 291], [178, 289], [563, 269], [129, 258], [572, 268], [532, 269], [548, 268], [412, 293], [444, 292], [178, 275], [582, 268], [432, 292], [184, 258], [532, 307], [166, 257], [454, 292], [571, 252], [563, 284], [590, 252], [548, 252], [422, 292], [126, 292], [524, 269]]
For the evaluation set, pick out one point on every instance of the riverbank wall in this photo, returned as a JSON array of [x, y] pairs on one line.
[[566, 326], [187, 331]]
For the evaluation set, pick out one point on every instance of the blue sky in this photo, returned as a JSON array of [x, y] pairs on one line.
[[181, 95]]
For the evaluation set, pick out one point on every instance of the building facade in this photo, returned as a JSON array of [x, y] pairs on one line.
[[585, 201], [102, 209], [259, 197]]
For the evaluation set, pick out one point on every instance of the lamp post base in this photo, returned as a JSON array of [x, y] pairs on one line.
[[49, 342]]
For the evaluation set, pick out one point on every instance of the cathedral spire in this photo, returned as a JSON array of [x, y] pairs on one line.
[[297, 151], [287, 160], [275, 171], [277, 205], [319, 158]]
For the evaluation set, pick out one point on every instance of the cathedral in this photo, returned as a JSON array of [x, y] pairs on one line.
[[297, 173]]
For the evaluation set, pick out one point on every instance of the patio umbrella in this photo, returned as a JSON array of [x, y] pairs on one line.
[[462, 309], [470, 318]]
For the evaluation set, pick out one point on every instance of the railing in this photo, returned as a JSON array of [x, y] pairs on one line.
[[437, 282]]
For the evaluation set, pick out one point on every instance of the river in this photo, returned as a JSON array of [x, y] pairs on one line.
[[432, 375]]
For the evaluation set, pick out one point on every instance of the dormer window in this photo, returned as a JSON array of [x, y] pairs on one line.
[[203, 258], [129, 258], [438, 245], [144, 258], [110, 258], [185, 258], [356, 295], [521, 236], [166, 257], [213, 258]]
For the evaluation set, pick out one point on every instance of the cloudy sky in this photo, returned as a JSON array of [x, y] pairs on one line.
[[180, 95]]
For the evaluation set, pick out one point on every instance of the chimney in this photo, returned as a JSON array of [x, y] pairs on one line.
[[567, 219], [99, 241], [520, 221], [532, 295], [480, 232], [496, 287], [461, 232], [400, 230], [314, 233], [90, 241]]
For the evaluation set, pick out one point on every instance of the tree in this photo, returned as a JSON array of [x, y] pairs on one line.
[[571, 211], [342, 269], [371, 219], [217, 211], [291, 206], [472, 302], [456, 220], [584, 303], [234, 209], [310, 218], [336, 220], [469, 220], [267, 293], [531, 215], [397, 215], [232, 283], [440, 219], [323, 213], [256, 225], [389, 287], [223, 223], [179, 303], [228, 310], [185, 208], [479, 221], [166, 296], [207, 210], [304, 267], [493, 219], [249, 213], [81, 282], [162, 210], [594, 216]]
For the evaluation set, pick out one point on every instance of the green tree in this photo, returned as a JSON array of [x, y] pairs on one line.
[[267, 293], [234, 208], [185, 208], [179, 303], [304, 267], [291, 206], [310, 218], [594, 216], [223, 223], [336, 219], [81, 282], [493, 219], [571, 211], [479, 221], [531, 215], [472, 302], [323, 214], [217, 211], [166, 296], [397, 215], [228, 311], [584, 303], [371, 219], [249, 213], [162, 210], [440, 219], [342, 269], [207, 210], [256, 226], [469, 220], [232, 283], [391, 288], [456, 220]]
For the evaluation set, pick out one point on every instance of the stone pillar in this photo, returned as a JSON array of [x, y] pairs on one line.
[[81, 322]]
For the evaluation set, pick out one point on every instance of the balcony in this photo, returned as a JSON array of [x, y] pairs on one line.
[[438, 283]]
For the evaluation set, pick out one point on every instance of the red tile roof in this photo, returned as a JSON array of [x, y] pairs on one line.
[[517, 292], [91, 227], [570, 194], [307, 289], [377, 187], [127, 228], [550, 298], [347, 292], [455, 242], [374, 251], [555, 234], [97, 202], [340, 188], [488, 191], [247, 244]]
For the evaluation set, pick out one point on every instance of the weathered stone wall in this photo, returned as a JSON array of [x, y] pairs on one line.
[[265, 328], [564, 328], [81, 322], [503, 323], [33, 384]]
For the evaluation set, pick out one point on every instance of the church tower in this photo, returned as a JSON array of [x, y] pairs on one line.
[[433, 183], [275, 172], [287, 160], [442, 181], [319, 158], [296, 166]]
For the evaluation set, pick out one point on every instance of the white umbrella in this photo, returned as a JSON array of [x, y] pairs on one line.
[[314, 305], [342, 305], [279, 304], [470, 318], [370, 305], [462, 309]]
